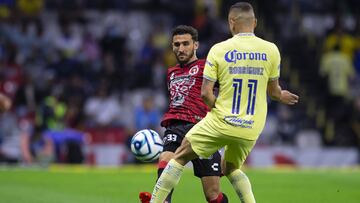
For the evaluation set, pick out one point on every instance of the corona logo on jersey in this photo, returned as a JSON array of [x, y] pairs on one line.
[[234, 55]]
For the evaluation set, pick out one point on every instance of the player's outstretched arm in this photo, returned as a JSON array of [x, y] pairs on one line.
[[284, 96]]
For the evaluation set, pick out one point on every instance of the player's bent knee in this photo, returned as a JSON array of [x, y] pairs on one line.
[[166, 156], [228, 168], [185, 153]]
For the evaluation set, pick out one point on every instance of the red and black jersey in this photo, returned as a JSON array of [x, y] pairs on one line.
[[184, 86]]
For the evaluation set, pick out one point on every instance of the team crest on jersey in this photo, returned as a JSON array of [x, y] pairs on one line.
[[194, 70]]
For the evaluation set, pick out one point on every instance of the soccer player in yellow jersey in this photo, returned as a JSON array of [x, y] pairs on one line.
[[247, 69]]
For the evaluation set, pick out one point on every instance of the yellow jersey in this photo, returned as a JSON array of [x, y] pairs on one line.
[[242, 65]]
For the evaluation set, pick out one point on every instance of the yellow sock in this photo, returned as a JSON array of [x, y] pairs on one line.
[[242, 186], [167, 181]]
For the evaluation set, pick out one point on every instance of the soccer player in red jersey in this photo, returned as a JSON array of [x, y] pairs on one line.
[[186, 108]]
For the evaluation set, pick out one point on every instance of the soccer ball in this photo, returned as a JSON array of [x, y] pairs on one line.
[[146, 145]]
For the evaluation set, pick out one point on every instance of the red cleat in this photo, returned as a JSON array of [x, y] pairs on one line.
[[145, 197]]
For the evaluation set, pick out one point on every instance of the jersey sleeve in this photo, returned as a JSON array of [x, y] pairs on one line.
[[275, 64], [168, 78], [211, 66]]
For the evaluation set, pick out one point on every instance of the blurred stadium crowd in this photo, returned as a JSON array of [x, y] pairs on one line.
[[101, 64]]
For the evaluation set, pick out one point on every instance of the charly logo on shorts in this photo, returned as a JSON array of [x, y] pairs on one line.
[[239, 122], [234, 56]]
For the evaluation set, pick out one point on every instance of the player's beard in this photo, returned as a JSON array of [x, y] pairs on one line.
[[186, 59]]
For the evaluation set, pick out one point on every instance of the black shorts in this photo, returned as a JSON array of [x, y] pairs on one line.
[[173, 136]]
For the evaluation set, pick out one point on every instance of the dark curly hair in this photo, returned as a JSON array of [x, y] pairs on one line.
[[185, 29]]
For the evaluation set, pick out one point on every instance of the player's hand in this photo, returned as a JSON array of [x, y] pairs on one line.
[[5, 103], [288, 98]]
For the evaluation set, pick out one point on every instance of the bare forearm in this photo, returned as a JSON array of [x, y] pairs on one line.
[[207, 93], [209, 100], [276, 94]]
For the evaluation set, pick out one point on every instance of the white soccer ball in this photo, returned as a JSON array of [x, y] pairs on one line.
[[146, 145]]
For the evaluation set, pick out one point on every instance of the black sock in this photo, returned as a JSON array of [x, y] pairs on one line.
[[159, 172], [168, 198]]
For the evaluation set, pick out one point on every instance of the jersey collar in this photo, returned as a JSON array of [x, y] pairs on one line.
[[245, 34], [188, 64]]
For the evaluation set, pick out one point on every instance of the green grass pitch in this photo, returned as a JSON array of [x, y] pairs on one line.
[[79, 184]]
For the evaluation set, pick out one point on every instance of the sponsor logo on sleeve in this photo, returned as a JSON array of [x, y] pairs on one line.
[[209, 63]]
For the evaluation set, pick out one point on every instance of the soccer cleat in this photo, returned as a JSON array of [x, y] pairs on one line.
[[145, 197]]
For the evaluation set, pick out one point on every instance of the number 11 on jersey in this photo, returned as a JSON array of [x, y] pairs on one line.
[[252, 87]]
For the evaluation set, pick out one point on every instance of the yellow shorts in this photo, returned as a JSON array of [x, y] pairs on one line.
[[205, 140]]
